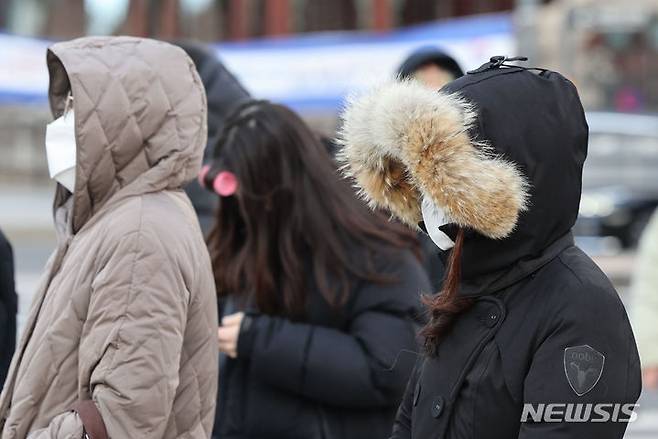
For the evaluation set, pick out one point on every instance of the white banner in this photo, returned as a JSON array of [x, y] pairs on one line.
[[306, 72]]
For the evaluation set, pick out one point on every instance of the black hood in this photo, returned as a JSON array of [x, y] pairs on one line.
[[223, 90], [533, 118], [499, 151]]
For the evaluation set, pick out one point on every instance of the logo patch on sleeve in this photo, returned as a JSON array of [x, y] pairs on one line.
[[583, 366]]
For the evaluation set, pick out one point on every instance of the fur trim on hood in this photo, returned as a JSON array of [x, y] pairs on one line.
[[401, 142]]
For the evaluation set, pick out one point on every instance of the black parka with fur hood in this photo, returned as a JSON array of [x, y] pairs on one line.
[[501, 151]]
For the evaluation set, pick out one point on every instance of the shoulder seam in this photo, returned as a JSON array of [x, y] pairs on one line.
[[571, 270]]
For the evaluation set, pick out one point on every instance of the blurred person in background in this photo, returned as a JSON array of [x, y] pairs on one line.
[[645, 303], [8, 307], [224, 93], [433, 68], [120, 341], [491, 167], [320, 295]]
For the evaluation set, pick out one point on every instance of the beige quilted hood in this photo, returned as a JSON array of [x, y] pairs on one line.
[[126, 312], [140, 122]]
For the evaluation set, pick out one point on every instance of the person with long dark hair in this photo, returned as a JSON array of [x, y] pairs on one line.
[[320, 297], [527, 338]]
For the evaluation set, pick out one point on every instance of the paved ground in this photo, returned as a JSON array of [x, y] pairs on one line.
[[26, 218]]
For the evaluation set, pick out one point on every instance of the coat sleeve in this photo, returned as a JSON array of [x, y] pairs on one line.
[[402, 424], [365, 366], [645, 295], [131, 341], [594, 317]]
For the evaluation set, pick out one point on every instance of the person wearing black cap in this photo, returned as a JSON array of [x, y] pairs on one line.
[[430, 66], [528, 338]]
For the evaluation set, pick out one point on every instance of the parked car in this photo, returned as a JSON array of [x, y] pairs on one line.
[[620, 180]]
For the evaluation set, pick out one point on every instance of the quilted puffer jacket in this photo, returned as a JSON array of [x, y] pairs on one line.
[[126, 312]]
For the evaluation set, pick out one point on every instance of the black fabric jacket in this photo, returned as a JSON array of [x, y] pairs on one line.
[[547, 326], [8, 307], [224, 93], [337, 374]]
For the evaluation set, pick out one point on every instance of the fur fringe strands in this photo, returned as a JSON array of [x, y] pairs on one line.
[[401, 142]]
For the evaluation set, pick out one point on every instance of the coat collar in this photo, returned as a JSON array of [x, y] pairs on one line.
[[490, 283]]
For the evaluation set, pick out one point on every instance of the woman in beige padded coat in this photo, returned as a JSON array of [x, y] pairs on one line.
[[126, 311]]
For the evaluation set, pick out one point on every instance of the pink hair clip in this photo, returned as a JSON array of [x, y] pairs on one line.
[[225, 184]]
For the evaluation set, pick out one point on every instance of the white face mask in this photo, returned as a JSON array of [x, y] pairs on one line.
[[61, 150], [434, 217]]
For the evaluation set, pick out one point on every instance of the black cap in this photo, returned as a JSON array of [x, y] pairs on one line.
[[429, 55]]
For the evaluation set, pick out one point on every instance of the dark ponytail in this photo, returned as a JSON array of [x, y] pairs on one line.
[[445, 307]]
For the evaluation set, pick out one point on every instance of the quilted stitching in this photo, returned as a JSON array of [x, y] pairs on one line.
[[100, 76], [141, 127]]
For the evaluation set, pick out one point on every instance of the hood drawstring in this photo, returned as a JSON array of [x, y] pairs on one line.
[[496, 62]]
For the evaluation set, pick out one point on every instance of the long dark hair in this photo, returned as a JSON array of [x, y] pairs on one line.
[[292, 218]]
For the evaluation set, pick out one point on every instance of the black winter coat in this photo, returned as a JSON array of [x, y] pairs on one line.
[[517, 346], [338, 374], [547, 326], [8, 307]]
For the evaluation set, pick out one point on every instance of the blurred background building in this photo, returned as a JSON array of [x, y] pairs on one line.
[[310, 53], [210, 20], [608, 48]]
